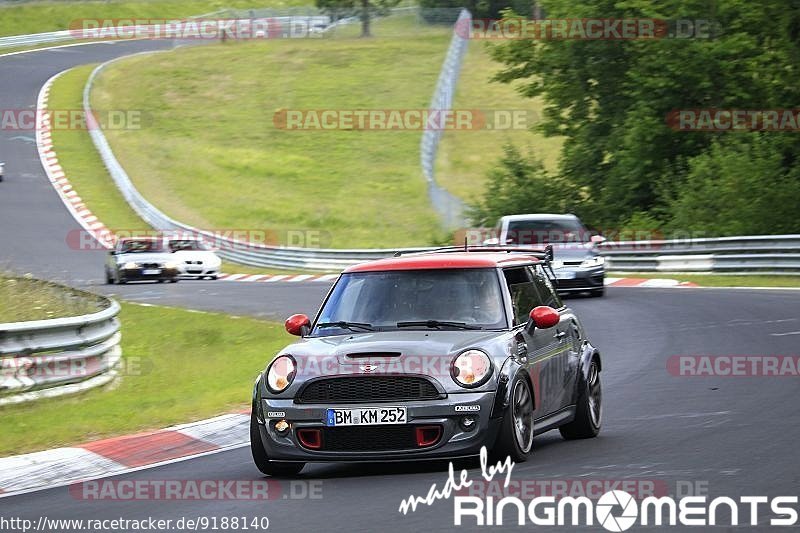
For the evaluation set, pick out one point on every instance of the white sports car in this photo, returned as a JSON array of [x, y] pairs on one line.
[[195, 258]]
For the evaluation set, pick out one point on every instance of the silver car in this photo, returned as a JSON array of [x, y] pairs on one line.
[[577, 264], [427, 356]]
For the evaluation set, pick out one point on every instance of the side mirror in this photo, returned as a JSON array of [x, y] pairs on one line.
[[298, 325], [112, 252], [544, 317], [597, 239], [494, 241]]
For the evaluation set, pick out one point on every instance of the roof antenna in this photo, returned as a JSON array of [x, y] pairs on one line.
[[466, 248]]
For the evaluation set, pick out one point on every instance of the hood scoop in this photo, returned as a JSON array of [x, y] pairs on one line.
[[373, 355]]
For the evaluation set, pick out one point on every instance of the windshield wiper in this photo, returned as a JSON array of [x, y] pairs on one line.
[[438, 324], [347, 325]]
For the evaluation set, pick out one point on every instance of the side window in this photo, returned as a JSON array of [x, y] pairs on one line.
[[524, 295], [549, 295]]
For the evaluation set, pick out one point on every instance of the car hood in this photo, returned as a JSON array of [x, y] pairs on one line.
[[143, 257], [427, 352], [573, 251]]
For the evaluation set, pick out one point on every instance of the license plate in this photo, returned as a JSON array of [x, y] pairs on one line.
[[565, 275], [151, 271], [365, 416]]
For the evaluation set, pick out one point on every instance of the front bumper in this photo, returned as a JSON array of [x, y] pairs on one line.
[[571, 279], [454, 441], [137, 274], [199, 270]]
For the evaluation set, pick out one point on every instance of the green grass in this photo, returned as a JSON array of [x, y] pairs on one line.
[[181, 366], [31, 299], [718, 280], [211, 156], [89, 177], [41, 16], [465, 157]]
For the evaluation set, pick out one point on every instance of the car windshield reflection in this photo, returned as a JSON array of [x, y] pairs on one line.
[[414, 299]]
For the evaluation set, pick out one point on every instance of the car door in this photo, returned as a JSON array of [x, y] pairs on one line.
[[567, 337], [538, 347]]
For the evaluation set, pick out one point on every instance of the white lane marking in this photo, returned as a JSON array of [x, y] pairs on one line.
[[54, 48], [276, 278], [785, 334]]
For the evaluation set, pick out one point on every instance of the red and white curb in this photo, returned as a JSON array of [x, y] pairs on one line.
[[274, 278], [109, 457], [55, 173]]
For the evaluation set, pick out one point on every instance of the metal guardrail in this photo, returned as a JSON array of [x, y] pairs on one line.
[[449, 207], [775, 254], [34, 39], [48, 358]]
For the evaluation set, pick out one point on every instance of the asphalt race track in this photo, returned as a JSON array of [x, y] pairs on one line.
[[729, 436]]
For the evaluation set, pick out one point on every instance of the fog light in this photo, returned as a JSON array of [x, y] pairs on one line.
[[281, 427], [468, 423]]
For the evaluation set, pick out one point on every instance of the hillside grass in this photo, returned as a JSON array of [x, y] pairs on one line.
[[210, 154], [22, 18]]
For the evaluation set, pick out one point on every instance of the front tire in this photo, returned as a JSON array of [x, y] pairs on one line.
[[516, 431], [597, 293], [589, 410], [260, 455]]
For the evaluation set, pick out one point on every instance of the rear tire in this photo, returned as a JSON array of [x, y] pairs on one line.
[[516, 430], [589, 410], [174, 280], [597, 293], [260, 455], [109, 278]]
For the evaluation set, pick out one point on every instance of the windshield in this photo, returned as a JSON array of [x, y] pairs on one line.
[[382, 300], [186, 245], [143, 246], [546, 231]]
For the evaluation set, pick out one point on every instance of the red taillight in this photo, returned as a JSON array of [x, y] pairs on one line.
[[428, 435], [310, 438]]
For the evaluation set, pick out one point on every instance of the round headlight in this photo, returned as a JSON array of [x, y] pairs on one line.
[[471, 368], [281, 373], [130, 265]]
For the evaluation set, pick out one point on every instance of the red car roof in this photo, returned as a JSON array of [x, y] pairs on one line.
[[445, 260]]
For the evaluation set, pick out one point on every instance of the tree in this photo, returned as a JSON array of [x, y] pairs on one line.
[[520, 184], [610, 99], [366, 10]]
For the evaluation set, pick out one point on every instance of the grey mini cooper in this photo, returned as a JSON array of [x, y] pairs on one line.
[[425, 356]]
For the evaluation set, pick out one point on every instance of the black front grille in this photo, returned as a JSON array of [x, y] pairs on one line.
[[368, 389], [150, 265], [369, 438], [580, 283]]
